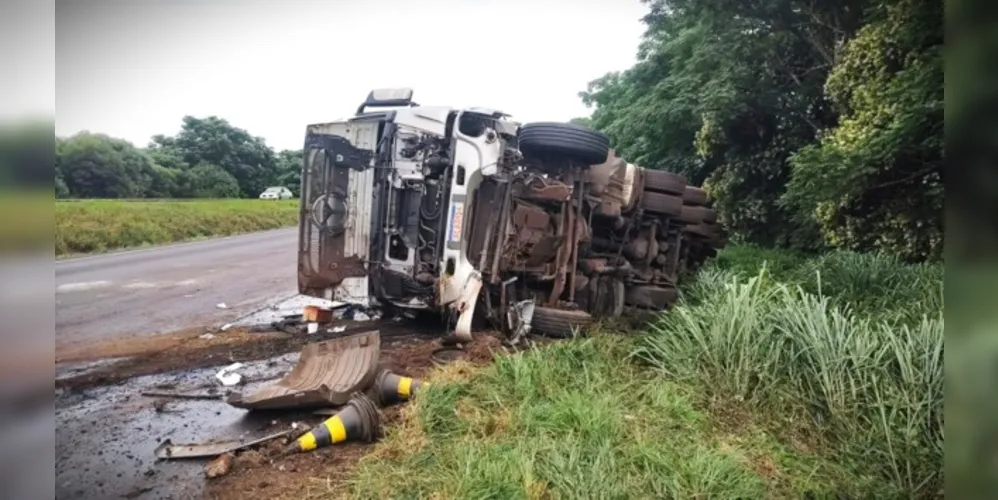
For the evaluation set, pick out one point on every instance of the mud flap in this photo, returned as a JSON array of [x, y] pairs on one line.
[[327, 374], [465, 307]]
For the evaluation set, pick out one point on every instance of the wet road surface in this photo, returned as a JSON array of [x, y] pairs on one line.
[[171, 287], [106, 436]]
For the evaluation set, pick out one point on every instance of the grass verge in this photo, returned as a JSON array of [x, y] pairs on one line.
[[750, 388], [575, 420], [92, 226]]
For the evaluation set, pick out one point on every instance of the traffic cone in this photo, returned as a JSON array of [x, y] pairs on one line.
[[390, 388], [359, 420]]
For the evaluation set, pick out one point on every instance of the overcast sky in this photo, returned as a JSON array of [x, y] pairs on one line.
[[134, 68]]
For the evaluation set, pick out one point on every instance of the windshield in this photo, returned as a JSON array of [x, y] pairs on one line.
[[273, 190]]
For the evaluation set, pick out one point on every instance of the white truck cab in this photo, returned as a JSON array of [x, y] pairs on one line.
[[384, 198], [538, 226]]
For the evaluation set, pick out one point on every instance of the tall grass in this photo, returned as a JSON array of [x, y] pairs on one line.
[[90, 226], [870, 384], [764, 382], [873, 285], [575, 420]]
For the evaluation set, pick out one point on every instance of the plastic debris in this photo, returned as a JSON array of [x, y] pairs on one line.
[[338, 329], [226, 327], [313, 328], [228, 375], [221, 305], [207, 336]]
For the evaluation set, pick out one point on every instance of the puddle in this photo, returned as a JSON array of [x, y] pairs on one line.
[[105, 437]]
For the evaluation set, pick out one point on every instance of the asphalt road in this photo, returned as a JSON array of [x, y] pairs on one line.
[[172, 287]]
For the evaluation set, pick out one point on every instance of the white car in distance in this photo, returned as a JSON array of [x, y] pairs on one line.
[[277, 193]]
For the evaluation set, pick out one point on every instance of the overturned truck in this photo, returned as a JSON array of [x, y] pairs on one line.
[[466, 212]]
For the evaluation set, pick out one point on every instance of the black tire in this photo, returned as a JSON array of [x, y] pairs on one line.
[[560, 143], [691, 215], [703, 230], [664, 182], [710, 216], [557, 322], [651, 297], [661, 204], [694, 196]]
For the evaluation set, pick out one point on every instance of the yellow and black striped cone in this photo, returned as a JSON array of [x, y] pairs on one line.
[[359, 420], [390, 388]]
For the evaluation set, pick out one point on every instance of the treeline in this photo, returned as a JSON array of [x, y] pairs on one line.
[[209, 158], [812, 124]]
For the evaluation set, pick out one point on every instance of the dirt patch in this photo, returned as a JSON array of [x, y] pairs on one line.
[[186, 351], [324, 472], [134, 345]]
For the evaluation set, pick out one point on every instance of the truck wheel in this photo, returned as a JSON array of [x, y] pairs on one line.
[[558, 323], [710, 216], [694, 196], [703, 230], [691, 215], [651, 297], [664, 182], [661, 204], [559, 143]]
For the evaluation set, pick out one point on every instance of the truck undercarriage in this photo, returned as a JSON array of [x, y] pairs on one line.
[[536, 227]]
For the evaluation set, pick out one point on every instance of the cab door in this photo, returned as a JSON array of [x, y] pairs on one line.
[[337, 187]]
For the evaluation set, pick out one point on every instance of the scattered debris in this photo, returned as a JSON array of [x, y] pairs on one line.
[[207, 336], [317, 314], [361, 316], [358, 421], [219, 466], [326, 374], [225, 327], [221, 305], [179, 395], [289, 324], [228, 375], [137, 492], [313, 328], [338, 329], [167, 450]]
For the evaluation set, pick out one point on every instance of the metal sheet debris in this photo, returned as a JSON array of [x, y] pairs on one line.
[[180, 395], [167, 450], [327, 374]]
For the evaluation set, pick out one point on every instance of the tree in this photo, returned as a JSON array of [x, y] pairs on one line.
[[98, 166], [584, 121], [214, 141], [289, 165], [876, 180], [725, 91], [211, 181]]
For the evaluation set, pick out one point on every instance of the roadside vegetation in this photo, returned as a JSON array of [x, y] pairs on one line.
[[776, 376], [90, 226]]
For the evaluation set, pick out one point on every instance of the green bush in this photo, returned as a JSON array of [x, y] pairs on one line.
[[871, 386]]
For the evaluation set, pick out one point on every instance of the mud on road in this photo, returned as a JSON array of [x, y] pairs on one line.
[[107, 431]]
